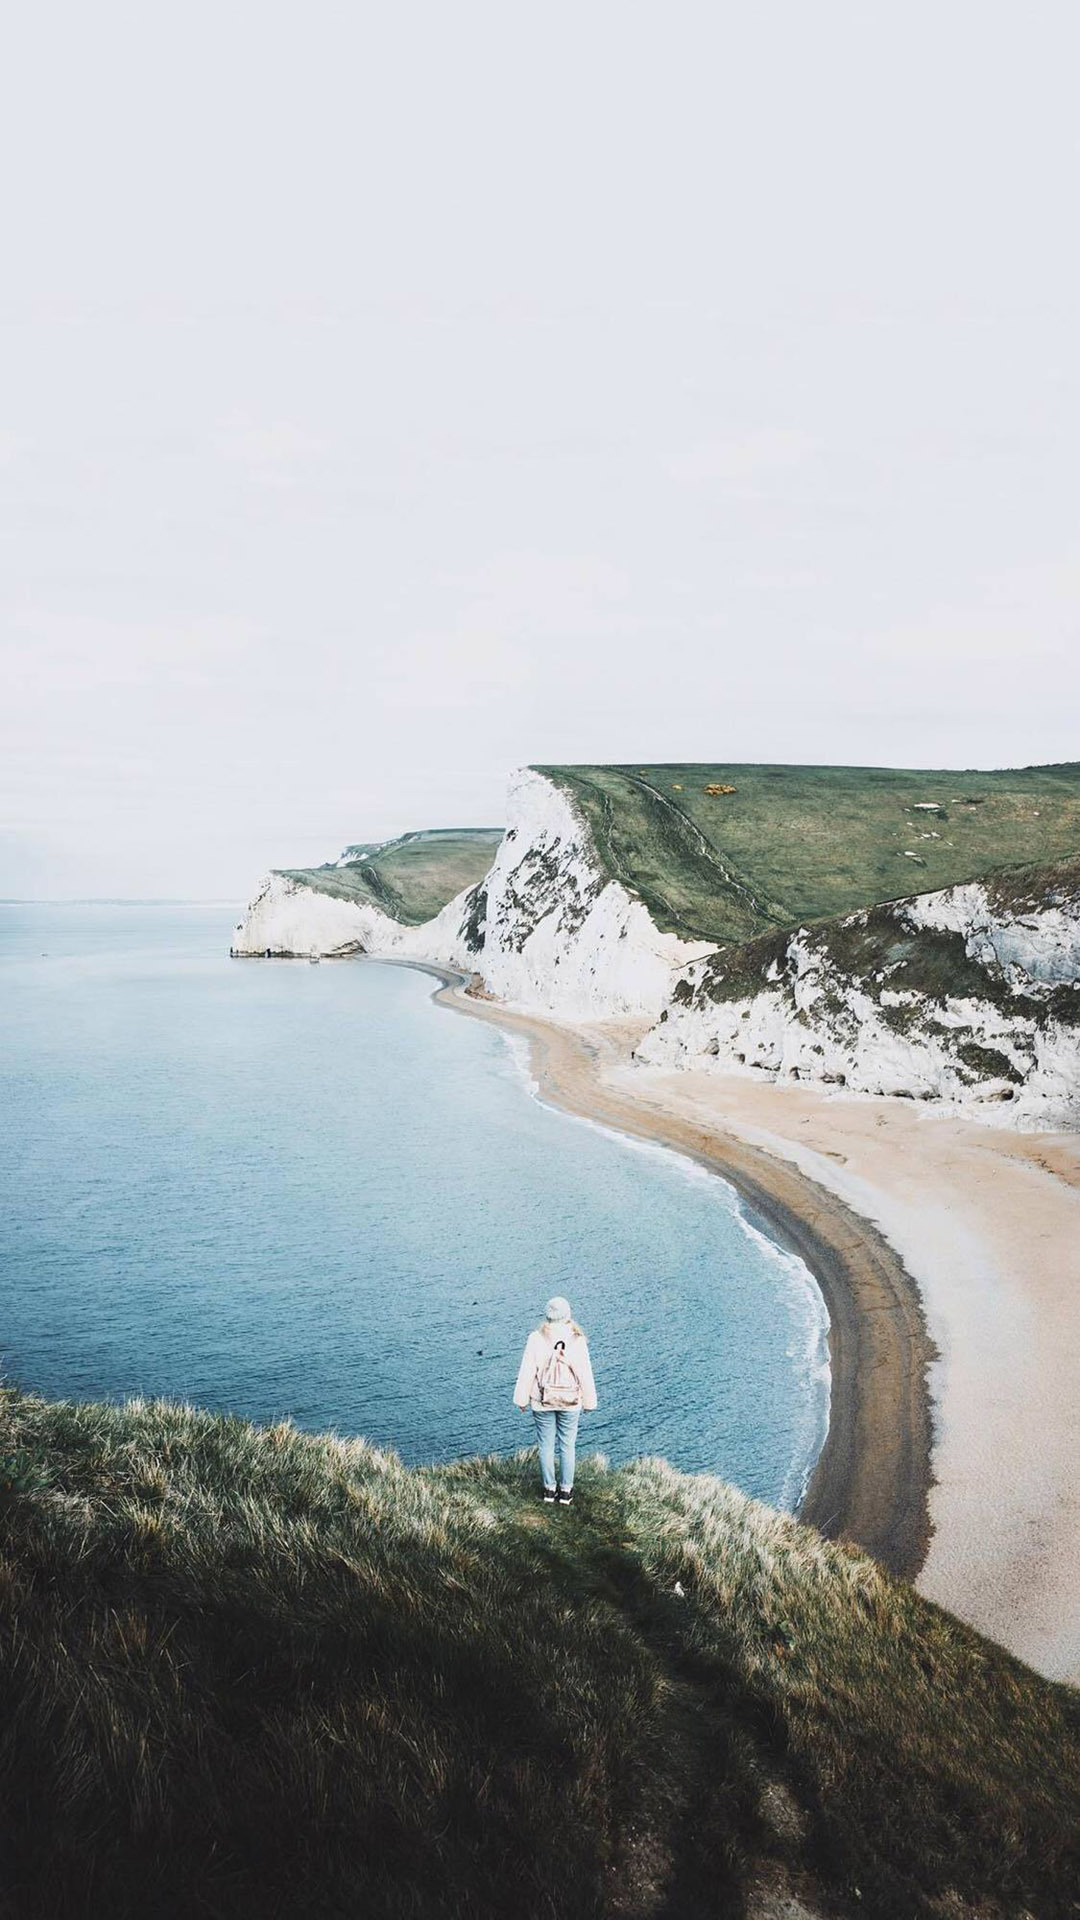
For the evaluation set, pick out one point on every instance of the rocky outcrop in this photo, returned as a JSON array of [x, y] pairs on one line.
[[969, 997]]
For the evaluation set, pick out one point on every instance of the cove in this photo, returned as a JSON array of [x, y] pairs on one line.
[[292, 1191]]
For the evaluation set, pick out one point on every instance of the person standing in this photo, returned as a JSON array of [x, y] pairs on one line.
[[555, 1381]]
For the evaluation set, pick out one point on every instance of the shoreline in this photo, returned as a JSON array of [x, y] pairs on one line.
[[872, 1478], [946, 1252]]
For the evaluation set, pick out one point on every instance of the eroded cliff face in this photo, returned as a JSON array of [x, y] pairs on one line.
[[556, 933], [545, 930], [969, 997]]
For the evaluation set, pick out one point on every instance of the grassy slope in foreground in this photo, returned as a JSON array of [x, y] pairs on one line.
[[255, 1673], [411, 878], [805, 843]]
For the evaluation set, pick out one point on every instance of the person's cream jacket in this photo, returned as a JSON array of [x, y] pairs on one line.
[[538, 1348]]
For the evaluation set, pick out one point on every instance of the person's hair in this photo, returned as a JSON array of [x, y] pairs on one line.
[[574, 1328]]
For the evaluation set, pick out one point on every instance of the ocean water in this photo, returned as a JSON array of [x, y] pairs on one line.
[[279, 1189]]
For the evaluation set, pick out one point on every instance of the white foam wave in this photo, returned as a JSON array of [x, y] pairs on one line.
[[809, 1302], [520, 1053]]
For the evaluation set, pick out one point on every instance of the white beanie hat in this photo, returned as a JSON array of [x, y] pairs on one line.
[[557, 1308]]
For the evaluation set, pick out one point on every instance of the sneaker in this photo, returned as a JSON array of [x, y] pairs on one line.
[[549, 1496], [564, 1496]]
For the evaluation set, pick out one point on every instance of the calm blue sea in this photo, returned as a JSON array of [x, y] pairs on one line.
[[283, 1189]]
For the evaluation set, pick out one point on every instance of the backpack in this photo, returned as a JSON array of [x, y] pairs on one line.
[[558, 1383]]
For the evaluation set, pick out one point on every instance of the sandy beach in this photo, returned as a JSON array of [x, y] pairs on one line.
[[948, 1256]]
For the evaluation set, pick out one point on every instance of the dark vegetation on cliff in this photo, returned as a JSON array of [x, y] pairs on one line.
[[883, 952], [256, 1673], [789, 844]]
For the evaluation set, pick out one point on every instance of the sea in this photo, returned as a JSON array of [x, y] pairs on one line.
[[287, 1191]]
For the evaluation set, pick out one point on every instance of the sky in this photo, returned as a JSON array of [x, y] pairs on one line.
[[394, 395]]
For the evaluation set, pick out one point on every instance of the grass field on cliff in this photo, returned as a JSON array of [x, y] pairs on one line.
[[794, 843], [257, 1673], [411, 878]]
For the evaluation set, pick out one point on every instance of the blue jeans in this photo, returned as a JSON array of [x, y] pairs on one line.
[[560, 1423]]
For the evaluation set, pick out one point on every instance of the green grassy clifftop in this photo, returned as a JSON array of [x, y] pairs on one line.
[[729, 853], [790, 844], [256, 1673], [412, 878]]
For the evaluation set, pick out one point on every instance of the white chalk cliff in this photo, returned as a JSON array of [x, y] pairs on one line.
[[560, 935], [547, 929], [296, 918], [968, 997]]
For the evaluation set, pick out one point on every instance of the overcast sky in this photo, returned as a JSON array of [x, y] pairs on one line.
[[394, 394]]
